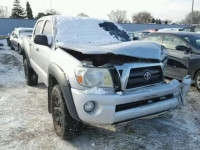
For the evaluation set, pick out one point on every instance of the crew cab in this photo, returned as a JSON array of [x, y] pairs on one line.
[[96, 75], [184, 54], [16, 38]]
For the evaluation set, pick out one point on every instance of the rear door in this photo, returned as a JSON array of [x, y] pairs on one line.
[[178, 62]]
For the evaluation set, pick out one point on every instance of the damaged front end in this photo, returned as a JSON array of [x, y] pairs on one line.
[[124, 74], [120, 88]]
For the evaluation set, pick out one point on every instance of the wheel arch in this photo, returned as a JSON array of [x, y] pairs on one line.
[[57, 76], [195, 73]]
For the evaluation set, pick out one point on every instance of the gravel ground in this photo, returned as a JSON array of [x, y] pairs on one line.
[[26, 124]]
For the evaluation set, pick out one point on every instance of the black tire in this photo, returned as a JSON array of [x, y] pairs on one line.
[[20, 50], [64, 125], [8, 42], [30, 75], [197, 80], [11, 47]]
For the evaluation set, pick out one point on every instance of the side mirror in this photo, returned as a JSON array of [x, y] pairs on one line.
[[135, 38], [41, 40], [183, 48]]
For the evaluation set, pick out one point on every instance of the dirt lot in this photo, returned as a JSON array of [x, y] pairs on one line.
[[26, 124]]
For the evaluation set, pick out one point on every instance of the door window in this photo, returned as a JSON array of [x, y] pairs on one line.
[[154, 38], [197, 29], [171, 42], [187, 29], [47, 28], [38, 28]]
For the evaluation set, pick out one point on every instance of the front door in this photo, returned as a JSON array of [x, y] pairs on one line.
[[44, 51], [178, 62]]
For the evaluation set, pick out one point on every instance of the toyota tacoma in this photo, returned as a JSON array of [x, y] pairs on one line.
[[96, 75]]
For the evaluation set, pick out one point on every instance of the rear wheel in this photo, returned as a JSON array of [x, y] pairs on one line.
[[64, 125], [30, 75], [20, 50], [197, 80]]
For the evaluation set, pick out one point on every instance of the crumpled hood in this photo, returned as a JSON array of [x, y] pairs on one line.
[[139, 49]]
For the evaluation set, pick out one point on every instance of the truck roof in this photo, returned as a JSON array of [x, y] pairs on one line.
[[83, 30]]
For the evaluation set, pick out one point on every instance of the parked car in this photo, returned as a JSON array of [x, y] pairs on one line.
[[96, 75], [151, 30], [170, 30], [138, 35], [192, 29], [16, 38], [8, 39], [184, 54]]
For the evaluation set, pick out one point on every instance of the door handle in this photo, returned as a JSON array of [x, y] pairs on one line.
[[37, 49], [30, 45]]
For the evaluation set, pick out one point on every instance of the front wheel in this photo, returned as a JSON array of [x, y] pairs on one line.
[[64, 125], [11, 47], [197, 80], [30, 75]]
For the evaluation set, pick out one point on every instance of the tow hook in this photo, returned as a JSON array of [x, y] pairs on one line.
[[184, 88]]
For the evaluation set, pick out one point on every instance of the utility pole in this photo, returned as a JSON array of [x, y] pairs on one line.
[[51, 5], [192, 18]]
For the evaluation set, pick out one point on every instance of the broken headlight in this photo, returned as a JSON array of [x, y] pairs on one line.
[[94, 77]]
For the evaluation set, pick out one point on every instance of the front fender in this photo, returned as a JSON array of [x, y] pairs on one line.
[[55, 71]]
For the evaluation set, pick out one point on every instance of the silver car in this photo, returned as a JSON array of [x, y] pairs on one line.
[[16, 38]]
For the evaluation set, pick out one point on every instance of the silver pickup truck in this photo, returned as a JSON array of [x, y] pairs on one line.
[[96, 75]]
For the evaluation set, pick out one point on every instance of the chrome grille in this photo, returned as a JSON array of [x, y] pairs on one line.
[[144, 76]]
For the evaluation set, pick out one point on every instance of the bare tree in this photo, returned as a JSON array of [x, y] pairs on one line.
[[192, 19], [119, 16], [47, 13], [4, 13], [82, 15], [143, 17]]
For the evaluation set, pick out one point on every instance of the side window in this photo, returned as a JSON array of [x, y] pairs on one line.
[[38, 28], [197, 29], [47, 28], [171, 42], [154, 38], [187, 29]]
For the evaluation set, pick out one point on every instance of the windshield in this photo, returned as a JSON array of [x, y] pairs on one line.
[[25, 33], [115, 31], [88, 31], [193, 40]]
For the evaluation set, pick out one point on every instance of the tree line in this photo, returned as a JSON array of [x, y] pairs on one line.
[[119, 16], [19, 12], [144, 17]]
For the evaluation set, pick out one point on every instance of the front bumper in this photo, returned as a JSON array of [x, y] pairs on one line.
[[105, 105]]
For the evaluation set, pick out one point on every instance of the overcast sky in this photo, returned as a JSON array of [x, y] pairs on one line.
[[174, 10]]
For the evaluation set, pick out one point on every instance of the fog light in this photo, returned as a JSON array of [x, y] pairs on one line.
[[89, 106]]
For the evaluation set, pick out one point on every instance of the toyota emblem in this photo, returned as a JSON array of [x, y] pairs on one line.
[[147, 75]]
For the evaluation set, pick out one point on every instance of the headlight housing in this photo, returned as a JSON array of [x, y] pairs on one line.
[[94, 77]]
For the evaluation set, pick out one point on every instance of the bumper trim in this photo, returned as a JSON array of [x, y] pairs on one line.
[[146, 110]]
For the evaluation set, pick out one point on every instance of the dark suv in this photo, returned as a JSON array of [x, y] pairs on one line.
[[192, 29], [184, 53]]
